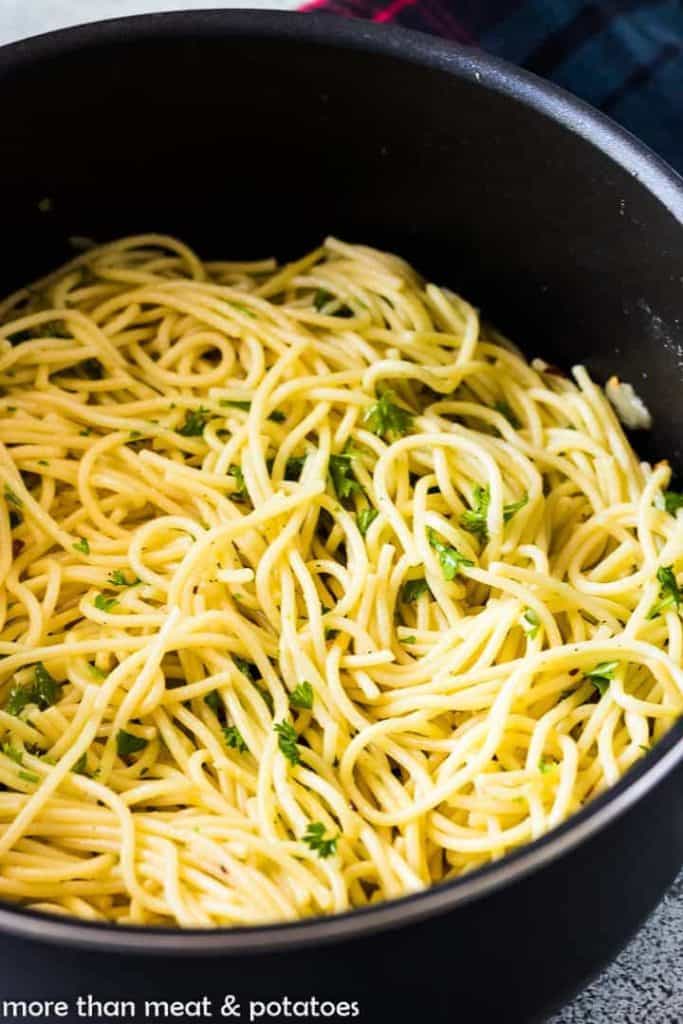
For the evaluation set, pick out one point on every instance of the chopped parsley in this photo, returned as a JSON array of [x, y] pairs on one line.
[[341, 474], [213, 701], [240, 491], [287, 741], [105, 604], [117, 578], [43, 691], [474, 519], [13, 753], [510, 510], [195, 421], [409, 640], [29, 776], [234, 739], [127, 743], [97, 672], [314, 837], [80, 766], [669, 501], [386, 419], [531, 623], [277, 416], [546, 765], [82, 546], [602, 675], [450, 559], [366, 518], [412, 590], [669, 591], [302, 696]]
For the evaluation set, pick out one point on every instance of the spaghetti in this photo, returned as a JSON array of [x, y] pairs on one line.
[[313, 592]]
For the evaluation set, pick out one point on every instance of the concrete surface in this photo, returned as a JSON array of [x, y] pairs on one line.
[[645, 984]]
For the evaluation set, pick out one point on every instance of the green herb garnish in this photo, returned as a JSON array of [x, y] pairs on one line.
[[302, 696], [287, 741], [29, 776], [117, 578], [386, 419], [450, 559], [474, 519], [105, 604], [366, 518], [195, 421], [80, 766], [545, 766], [213, 701], [13, 753], [602, 675], [277, 416], [240, 491], [669, 501], [82, 546], [341, 474], [234, 739], [669, 591], [314, 837], [127, 743], [531, 623], [43, 691], [412, 590]]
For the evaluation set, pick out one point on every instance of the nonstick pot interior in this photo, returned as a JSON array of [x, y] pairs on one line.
[[257, 134]]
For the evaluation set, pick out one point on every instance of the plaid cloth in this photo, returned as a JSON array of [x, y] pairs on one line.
[[623, 56]]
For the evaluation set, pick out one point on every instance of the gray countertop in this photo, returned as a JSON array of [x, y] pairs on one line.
[[644, 985]]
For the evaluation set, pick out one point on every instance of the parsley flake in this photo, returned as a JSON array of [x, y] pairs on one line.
[[234, 739], [386, 419], [366, 518], [127, 743], [412, 590], [195, 421], [302, 696], [314, 837], [82, 546], [669, 501], [341, 474], [530, 623], [450, 559], [105, 604], [669, 592], [602, 675], [287, 741]]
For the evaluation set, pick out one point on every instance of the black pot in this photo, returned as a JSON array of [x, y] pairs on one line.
[[251, 134]]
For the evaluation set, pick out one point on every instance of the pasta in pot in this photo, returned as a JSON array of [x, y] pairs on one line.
[[313, 591]]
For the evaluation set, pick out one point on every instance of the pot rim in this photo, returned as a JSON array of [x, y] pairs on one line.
[[575, 116]]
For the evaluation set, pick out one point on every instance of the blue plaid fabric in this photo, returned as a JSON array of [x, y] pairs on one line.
[[623, 56]]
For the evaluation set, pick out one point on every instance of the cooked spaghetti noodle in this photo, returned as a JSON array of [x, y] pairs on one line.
[[313, 592]]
